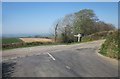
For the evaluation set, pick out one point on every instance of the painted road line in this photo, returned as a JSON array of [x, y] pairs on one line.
[[67, 67], [51, 56]]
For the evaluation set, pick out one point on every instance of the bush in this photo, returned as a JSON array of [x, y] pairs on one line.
[[12, 45], [17, 45], [110, 47], [96, 36]]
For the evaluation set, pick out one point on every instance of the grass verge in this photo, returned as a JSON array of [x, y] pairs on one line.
[[110, 47], [96, 36]]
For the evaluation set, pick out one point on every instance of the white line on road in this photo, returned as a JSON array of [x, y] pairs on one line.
[[67, 67], [51, 56]]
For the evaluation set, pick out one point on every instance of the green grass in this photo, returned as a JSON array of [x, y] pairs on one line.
[[11, 43], [32, 45], [110, 47], [10, 40], [0, 44], [95, 36], [17, 40]]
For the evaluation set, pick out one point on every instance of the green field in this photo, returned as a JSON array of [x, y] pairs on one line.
[[10, 40]]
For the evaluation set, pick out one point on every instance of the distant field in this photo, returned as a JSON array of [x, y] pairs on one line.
[[27, 40], [10, 40], [9, 43]]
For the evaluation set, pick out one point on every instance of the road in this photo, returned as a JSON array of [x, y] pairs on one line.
[[78, 60]]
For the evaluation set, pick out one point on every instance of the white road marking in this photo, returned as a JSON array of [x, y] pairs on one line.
[[67, 67], [51, 56]]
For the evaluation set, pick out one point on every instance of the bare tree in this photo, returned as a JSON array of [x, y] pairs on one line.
[[56, 27]]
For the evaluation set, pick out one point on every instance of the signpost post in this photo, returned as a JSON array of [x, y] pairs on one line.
[[79, 37]]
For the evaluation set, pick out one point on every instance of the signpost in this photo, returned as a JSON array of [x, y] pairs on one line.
[[79, 37]]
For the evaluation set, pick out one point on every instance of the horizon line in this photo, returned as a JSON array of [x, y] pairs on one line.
[[59, 1]]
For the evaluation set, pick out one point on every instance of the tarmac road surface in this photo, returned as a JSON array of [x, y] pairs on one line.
[[78, 60]]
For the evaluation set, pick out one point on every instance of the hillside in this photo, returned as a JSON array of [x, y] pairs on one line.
[[110, 47]]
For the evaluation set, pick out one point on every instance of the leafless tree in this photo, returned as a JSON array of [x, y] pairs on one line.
[[56, 27]]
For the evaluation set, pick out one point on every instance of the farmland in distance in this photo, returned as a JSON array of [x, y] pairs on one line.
[[11, 40]]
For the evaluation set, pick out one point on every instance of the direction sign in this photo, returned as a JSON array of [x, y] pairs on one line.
[[79, 36]]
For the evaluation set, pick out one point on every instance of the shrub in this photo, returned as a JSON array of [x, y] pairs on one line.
[[110, 47], [96, 36]]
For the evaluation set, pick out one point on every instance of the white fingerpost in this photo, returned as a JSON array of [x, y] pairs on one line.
[[79, 35]]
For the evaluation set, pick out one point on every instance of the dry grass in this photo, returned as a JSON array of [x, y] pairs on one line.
[[27, 40]]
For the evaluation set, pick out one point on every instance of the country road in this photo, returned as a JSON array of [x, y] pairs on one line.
[[77, 60]]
